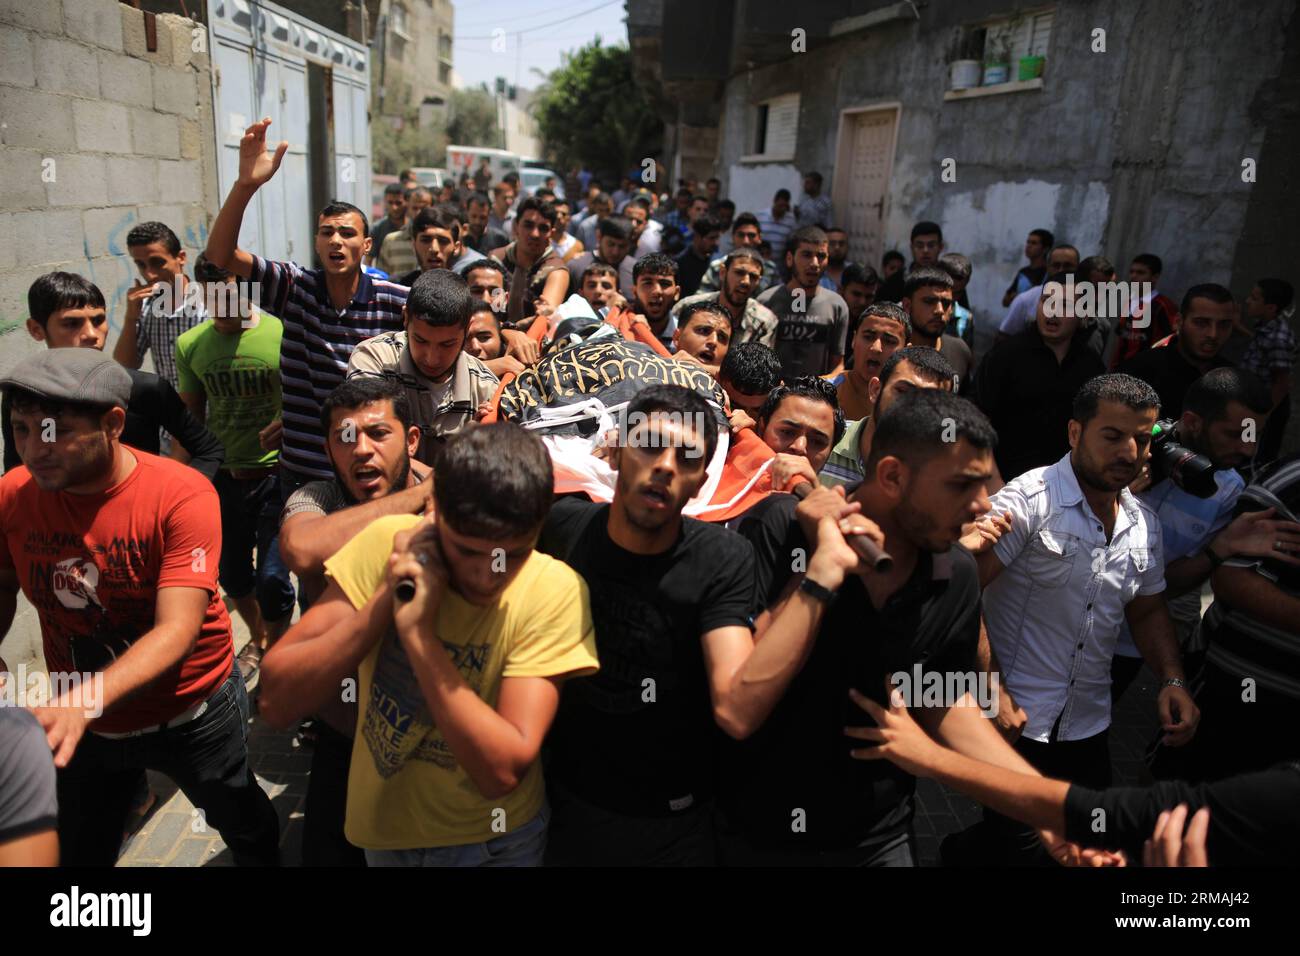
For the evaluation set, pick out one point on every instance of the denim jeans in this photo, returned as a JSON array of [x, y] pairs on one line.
[[207, 758], [250, 519], [523, 847]]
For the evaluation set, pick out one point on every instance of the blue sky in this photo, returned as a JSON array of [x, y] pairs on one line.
[[540, 40]]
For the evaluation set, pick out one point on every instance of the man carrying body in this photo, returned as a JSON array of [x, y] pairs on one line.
[[655, 290], [373, 477], [459, 685], [794, 794], [630, 761], [118, 552], [444, 383]]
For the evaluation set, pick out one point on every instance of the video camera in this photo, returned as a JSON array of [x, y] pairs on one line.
[[1190, 471]]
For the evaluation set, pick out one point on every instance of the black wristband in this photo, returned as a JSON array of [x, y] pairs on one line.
[[816, 591]]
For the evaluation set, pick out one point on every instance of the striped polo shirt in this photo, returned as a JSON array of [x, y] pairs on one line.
[[1240, 644], [318, 341]]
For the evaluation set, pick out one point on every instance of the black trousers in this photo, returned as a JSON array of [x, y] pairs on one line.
[[1001, 841], [325, 806], [208, 759]]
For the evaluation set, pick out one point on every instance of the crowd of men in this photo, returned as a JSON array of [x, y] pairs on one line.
[[490, 674]]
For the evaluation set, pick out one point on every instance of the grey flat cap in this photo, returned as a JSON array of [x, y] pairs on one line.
[[72, 375]]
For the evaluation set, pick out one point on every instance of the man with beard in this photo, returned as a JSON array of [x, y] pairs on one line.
[[745, 234], [1206, 325], [373, 477], [742, 272], [118, 551], [1081, 557], [630, 766], [905, 371], [1027, 384], [927, 299], [794, 794], [883, 329]]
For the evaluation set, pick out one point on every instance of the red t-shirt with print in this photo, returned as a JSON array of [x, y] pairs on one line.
[[92, 566]]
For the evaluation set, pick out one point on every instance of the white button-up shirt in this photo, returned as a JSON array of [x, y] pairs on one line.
[[1056, 610]]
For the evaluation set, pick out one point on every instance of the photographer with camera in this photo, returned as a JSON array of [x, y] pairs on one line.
[[1193, 487]]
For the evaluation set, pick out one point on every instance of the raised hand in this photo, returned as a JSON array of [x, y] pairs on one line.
[[255, 166]]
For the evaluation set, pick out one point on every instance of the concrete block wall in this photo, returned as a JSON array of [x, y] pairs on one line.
[[97, 133]]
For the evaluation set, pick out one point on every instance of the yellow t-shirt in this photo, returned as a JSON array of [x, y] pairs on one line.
[[406, 790]]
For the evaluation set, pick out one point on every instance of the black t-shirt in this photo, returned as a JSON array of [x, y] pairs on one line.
[[1028, 396], [620, 742], [1169, 373], [153, 405], [799, 759]]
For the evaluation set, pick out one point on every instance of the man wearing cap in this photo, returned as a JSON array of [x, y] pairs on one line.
[[118, 552]]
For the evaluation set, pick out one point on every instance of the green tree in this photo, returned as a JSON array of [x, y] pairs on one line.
[[591, 111], [393, 149], [472, 119]]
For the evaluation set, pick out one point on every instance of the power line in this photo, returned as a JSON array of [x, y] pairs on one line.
[[496, 17], [543, 26]]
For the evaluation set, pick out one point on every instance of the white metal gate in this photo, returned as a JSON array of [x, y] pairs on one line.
[[260, 54]]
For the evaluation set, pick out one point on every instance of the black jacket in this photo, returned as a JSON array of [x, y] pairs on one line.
[[154, 405]]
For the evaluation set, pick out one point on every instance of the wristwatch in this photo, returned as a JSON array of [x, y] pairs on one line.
[[1175, 682], [816, 591]]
